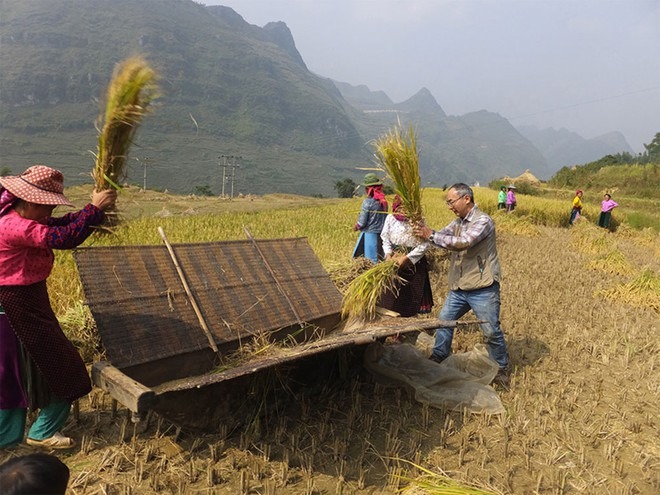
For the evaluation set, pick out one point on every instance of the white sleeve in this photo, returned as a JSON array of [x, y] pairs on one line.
[[388, 247], [416, 254]]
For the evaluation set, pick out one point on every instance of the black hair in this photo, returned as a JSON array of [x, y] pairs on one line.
[[34, 473]]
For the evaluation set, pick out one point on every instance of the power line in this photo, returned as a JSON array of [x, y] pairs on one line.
[[574, 105]]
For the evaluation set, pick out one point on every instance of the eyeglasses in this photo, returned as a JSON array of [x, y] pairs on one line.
[[450, 202]]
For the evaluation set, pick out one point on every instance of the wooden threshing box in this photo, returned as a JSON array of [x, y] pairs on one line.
[[161, 352]]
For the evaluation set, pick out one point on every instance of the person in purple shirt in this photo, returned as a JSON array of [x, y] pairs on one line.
[[511, 201], [606, 211]]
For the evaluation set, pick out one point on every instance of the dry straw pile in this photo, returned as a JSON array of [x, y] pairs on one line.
[[131, 90], [643, 291], [613, 262], [588, 239]]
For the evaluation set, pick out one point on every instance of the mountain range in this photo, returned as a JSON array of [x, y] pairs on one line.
[[565, 148], [231, 93]]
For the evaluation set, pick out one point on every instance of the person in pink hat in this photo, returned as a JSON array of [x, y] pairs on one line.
[[39, 367]]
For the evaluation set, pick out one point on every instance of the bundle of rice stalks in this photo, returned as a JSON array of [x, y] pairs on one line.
[[515, 225], [589, 240], [364, 291], [642, 292], [131, 90], [397, 154], [342, 273], [439, 484], [613, 262]]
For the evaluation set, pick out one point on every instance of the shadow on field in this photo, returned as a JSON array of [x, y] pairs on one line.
[[526, 351]]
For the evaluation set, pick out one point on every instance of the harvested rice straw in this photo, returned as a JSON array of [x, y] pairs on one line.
[[642, 292], [516, 225], [131, 90], [364, 291], [343, 273], [397, 154], [613, 262], [440, 484], [589, 239]]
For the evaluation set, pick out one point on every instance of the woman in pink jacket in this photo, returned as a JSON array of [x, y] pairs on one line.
[[606, 211], [511, 201], [39, 367]]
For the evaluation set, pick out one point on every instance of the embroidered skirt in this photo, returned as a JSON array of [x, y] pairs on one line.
[[414, 294], [50, 361]]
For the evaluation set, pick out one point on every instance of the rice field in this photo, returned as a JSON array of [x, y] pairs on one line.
[[581, 318]]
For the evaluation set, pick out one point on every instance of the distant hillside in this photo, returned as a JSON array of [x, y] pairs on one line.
[[472, 148], [564, 148], [623, 173], [228, 89], [361, 97]]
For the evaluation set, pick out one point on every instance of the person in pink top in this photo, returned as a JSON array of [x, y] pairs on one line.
[[39, 367], [606, 211], [511, 201]]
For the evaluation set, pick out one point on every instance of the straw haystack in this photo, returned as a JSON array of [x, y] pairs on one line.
[[527, 177]]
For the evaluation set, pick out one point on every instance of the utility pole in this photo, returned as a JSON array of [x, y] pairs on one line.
[[144, 161], [224, 174], [233, 166], [233, 174]]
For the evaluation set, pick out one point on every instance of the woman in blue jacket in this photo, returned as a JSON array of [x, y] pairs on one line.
[[371, 220]]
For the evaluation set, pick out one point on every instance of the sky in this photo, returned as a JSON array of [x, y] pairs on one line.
[[589, 66]]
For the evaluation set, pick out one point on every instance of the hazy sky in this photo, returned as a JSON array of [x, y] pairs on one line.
[[590, 66]]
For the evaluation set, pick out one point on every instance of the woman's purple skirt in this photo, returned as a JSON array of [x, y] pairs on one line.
[[12, 392], [51, 358]]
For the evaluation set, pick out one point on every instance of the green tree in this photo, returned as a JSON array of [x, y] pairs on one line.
[[345, 188], [204, 190], [653, 149], [5, 171]]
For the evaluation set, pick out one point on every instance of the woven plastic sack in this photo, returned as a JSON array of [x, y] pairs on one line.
[[460, 382]]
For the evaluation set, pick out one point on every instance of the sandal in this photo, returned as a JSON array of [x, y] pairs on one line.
[[57, 441]]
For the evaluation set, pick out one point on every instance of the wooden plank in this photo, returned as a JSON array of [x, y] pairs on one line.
[[191, 297], [130, 393], [334, 341]]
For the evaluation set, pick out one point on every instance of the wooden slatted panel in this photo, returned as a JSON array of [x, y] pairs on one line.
[[143, 313]]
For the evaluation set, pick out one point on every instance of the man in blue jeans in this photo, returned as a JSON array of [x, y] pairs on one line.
[[474, 276]]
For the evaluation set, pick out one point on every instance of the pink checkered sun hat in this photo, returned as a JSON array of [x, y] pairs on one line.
[[38, 184]]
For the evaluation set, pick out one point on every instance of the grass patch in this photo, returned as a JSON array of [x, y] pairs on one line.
[[641, 220]]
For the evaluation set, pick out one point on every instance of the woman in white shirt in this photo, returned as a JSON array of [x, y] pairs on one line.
[[400, 243]]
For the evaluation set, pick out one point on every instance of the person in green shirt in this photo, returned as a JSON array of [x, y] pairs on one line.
[[501, 199]]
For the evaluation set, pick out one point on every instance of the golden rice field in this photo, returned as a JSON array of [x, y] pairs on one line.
[[581, 314]]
